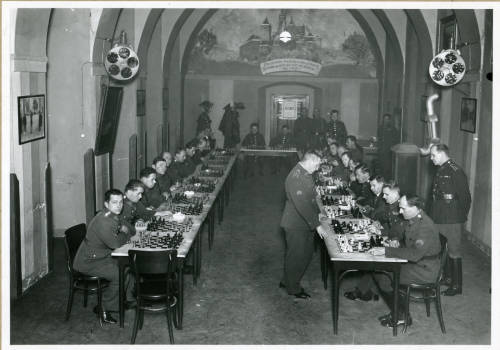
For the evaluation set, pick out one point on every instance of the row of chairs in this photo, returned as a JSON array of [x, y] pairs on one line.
[[155, 281]]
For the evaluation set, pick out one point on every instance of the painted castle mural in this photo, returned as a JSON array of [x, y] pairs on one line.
[[237, 41]]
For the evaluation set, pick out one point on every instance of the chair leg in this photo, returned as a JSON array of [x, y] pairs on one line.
[[136, 324], [440, 312], [169, 323], [427, 303], [70, 299], [141, 318], [85, 294], [407, 309]]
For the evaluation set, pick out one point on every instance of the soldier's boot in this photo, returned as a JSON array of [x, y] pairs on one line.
[[456, 286]]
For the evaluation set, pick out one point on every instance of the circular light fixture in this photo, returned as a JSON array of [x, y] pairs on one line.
[[122, 63], [447, 68], [285, 36]]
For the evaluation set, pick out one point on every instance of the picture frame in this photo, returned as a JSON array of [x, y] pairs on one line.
[[468, 115], [141, 103], [448, 32], [31, 118]]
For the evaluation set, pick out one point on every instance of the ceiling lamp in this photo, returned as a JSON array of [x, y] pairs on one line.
[[285, 36], [447, 68], [122, 63]]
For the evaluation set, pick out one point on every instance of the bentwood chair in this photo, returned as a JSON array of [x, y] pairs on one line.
[[155, 281], [427, 292], [78, 281]]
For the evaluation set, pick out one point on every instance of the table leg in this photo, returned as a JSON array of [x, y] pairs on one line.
[[324, 264], [335, 298], [180, 301], [395, 292], [195, 258], [121, 292], [197, 268]]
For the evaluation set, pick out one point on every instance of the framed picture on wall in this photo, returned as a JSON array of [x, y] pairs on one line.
[[31, 118], [141, 103], [468, 115]]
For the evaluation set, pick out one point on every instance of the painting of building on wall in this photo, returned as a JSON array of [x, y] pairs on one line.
[[239, 40]]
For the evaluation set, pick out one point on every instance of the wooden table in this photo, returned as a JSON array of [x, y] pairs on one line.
[[343, 263], [269, 152], [192, 239]]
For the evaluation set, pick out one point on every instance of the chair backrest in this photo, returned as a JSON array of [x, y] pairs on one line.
[[158, 262], [73, 237], [153, 262], [443, 257]]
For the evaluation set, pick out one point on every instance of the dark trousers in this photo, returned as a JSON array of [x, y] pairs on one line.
[[251, 163], [298, 255]]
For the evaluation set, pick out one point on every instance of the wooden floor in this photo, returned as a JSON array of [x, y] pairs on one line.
[[237, 300]]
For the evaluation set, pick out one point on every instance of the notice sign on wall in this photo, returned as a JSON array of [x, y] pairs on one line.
[[289, 110], [290, 65]]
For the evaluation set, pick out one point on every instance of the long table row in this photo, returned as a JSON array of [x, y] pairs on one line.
[[191, 242]]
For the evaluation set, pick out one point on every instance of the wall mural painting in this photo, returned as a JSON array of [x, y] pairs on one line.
[[239, 41]]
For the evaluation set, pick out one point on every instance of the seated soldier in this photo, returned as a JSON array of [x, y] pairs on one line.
[[283, 140], [375, 209], [152, 197], [162, 179], [170, 172], [104, 234], [364, 194], [332, 156], [191, 162], [253, 140], [133, 208], [341, 174], [355, 149], [179, 167], [421, 247], [392, 222]]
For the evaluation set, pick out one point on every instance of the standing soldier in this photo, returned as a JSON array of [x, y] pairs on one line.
[[335, 128], [450, 206], [204, 121]]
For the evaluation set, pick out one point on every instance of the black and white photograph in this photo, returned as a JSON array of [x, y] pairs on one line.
[[31, 113], [249, 173]]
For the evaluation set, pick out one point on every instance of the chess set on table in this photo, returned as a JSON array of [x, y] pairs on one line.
[[192, 209], [149, 240], [181, 198], [278, 148], [223, 152], [200, 187], [333, 191], [211, 172], [161, 233], [358, 243]]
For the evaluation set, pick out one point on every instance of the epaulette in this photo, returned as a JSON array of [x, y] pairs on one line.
[[108, 213], [453, 166]]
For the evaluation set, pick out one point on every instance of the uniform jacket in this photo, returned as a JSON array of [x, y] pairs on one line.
[[189, 166], [230, 127], [337, 130], [152, 197], [378, 205], [180, 169], [301, 210], [388, 137], [254, 141], [357, 153], [129, 213], [421, 247], [103, 236], [393, 222], [364, 194], [282, 140], [450, 195], [342, 173], [203, 122], [173, 174], [164, 182], [303, 130]]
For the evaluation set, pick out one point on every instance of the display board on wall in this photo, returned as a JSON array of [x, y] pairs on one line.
[[289, 110]]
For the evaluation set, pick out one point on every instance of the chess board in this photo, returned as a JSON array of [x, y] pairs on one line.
[[152, 241], [357, 243], [211, 172], [181, 198], [192, 209]]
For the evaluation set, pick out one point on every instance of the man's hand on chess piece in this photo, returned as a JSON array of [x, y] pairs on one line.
[[393, 243], [377, 251], [166, 195], [124, 229], [337, 182]]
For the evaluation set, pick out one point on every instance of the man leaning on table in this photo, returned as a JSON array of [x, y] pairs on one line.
[[421, 247], [105, 233], [300, 221]]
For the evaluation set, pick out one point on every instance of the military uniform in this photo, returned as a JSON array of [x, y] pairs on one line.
[[364, 194], [94, 254], [357, 153], [303, 130], [164, 182], [337, 130], [342, 173], [180, 169], [450, 204], [393, 222], [253, 141], [299, 221], [132, 212], [282, 141], [204, 122], [377, 208], [152, 197]]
